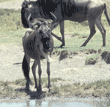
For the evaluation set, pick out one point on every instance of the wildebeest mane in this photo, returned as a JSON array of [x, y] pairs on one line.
[[48, 6], [68, 7]]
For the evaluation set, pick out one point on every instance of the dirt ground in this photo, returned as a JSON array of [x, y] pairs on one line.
[[71, 68]]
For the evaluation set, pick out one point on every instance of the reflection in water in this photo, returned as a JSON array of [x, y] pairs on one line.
[[38, 103], [56, 103], [34, 103]]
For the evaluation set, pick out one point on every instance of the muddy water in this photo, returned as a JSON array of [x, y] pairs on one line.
[[67, 102]]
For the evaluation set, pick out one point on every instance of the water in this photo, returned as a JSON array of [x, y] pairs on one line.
[[55, 103], [45, 104]]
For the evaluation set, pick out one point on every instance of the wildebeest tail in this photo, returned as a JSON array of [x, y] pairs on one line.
[[106, 13], [25, 68]]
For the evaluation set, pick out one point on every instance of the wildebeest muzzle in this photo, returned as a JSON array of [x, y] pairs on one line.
[[46, 44]]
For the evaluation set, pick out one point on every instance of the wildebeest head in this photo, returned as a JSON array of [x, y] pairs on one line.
[[44, 29], [45, 35], [36, 10], [27, 8]]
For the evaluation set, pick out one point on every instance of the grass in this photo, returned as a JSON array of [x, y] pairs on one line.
[[10, 20], [77, 37], [12, 31], [9, 89], [95, 89]]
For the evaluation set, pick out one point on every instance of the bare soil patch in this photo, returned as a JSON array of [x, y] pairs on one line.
[[68, 67], [72, 67]]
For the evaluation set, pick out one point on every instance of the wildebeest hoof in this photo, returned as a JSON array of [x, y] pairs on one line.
[[83, 45], [50, 90], [39, 89], [27, 89], [61, 46], [27, 86]]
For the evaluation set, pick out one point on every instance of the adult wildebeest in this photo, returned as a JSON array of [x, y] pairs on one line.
[[74, 10], [37, 44]]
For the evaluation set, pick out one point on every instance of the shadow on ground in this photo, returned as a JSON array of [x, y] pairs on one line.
[[32, 94]]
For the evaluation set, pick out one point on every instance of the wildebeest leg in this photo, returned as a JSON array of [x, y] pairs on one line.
[[92, 31], [62, 33], [26, 69], [48, 73], [102, 30], [39, 72], [34, 74]]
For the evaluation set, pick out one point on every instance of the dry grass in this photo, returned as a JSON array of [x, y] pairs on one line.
[[95, 89]]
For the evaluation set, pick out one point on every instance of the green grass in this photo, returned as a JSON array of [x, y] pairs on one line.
[[77, 34], [11, 30], [96, 89], [10, 20]]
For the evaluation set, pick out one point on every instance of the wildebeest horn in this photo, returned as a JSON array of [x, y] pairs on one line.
[[54, 17], [54, 23], [32, 25]]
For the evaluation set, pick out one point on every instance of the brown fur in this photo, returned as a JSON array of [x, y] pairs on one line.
[[33, 48], [74, 10]]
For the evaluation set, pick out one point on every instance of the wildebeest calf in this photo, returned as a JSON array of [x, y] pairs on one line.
[[37, 44]]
